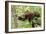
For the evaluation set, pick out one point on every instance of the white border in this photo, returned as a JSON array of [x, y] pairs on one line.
[[26, 29]]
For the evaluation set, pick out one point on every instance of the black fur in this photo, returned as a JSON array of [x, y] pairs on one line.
[[29, 16]]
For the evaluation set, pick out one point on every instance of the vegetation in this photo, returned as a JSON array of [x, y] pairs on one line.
[[19, 11]]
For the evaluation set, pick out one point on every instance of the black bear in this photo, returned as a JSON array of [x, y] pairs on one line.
[[30, 16]]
